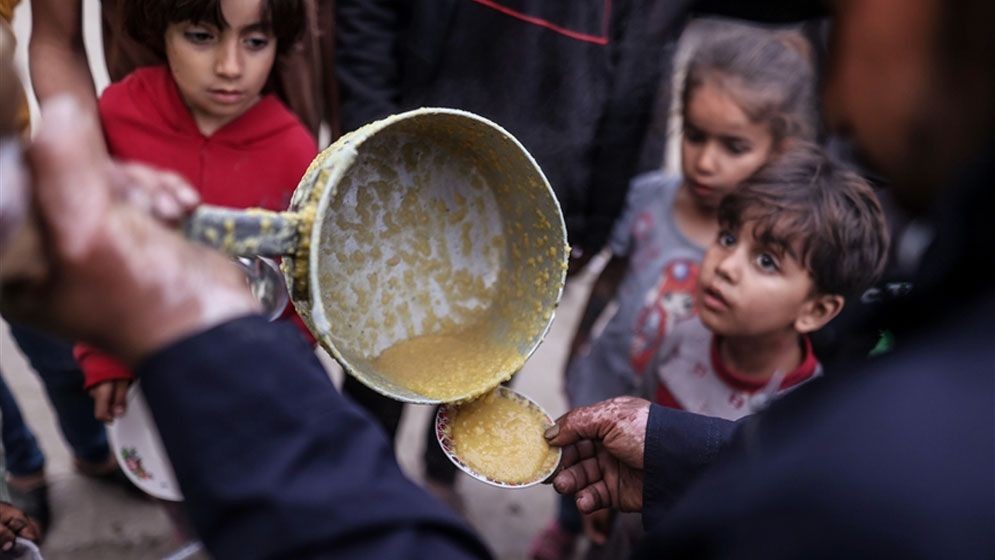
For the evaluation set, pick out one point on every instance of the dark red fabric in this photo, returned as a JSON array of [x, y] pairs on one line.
[[805, 370], [98, 367], [255, 160], [665, 398]]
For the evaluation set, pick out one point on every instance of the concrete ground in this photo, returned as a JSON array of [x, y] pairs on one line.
[[92, 520]]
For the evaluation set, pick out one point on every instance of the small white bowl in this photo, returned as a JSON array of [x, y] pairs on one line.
[[443, 433], [139, 451]]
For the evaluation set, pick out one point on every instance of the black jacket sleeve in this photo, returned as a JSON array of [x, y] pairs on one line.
[[888, 458], [679, 446], [274, 463]]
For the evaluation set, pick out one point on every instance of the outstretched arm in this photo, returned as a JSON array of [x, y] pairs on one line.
[[627, 454], [57, 56], [273, 462]]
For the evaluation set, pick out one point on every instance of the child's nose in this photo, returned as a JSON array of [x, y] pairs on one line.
[[229, 61], [728, 267], [706, 161]]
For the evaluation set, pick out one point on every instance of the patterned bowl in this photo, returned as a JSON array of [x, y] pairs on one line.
[[443, 432], [139, 451]]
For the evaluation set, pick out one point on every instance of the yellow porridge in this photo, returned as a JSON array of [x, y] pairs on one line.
[[448, 367], [502, 438]]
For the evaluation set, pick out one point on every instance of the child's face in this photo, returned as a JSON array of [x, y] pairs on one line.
[[221, 72], [746, 288], [721, 146]]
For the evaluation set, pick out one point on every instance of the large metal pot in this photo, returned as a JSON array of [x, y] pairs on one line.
[[434, 221]]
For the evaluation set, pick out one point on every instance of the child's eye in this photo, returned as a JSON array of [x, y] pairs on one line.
[[726, 239], [256, 42], [736, 147], [198, 36], [767, 262], [693, 135]]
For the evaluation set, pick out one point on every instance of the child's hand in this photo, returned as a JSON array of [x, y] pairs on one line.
[[13, 524], [109, 399], [598, 525]]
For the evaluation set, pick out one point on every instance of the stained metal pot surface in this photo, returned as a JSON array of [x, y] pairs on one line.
[[430, 221]]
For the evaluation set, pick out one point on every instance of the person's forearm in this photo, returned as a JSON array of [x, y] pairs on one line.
[[55, 70], [679, 445], [57, 56], [274, 463]]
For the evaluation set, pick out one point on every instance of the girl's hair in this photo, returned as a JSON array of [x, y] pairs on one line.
[[770, 76], [147, 20]]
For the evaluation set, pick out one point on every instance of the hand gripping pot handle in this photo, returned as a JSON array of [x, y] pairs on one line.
[[244, 233]]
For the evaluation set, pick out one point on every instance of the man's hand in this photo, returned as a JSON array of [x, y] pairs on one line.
[[117, 278], [603, 446], [13, 524], [163, 194]]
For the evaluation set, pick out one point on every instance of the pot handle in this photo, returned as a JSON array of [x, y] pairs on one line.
[[244, 233]]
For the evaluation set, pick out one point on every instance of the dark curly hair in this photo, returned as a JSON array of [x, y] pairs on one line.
[[828, 215]]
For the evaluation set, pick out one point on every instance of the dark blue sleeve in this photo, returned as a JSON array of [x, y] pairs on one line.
[[679, 445], [275, 463]]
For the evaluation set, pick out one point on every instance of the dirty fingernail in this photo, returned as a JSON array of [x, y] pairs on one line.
[[560, 484], [583, 503], [552, 431]]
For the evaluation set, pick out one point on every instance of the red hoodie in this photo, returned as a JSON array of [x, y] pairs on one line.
[[255, 160]]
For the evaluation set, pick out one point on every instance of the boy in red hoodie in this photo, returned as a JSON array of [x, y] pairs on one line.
[[206, 116]]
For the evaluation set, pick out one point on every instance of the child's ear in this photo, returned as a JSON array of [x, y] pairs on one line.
[[818, 311]]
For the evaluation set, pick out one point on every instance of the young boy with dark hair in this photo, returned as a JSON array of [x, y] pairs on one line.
[[796, 241]]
